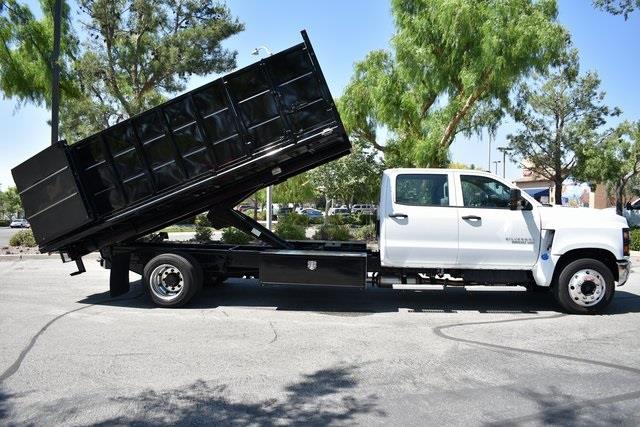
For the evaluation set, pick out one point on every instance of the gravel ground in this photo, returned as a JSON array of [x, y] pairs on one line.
[[244, 354]]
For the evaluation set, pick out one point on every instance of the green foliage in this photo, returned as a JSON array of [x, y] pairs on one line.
[[333, 232], [10, 203], [353, 177], [365, 219], [292, 227], [297, 189], [635, 239], [296, 219], [27, 45], [23, 238], [203, 230], [558, 115], [451, 69], [233, 236], [613, 159], [140, 51], [618, 7], [367, 232], [4, 222]]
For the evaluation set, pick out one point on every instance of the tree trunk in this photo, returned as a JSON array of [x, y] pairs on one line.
[[558, 191], [619, 197]]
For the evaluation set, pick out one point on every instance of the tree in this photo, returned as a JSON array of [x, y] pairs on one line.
[[353, 177], [451, 68], [614, 160], [558, 115], [11, 205], [140, 51], [27, 46], [618, 7], [297, 189]]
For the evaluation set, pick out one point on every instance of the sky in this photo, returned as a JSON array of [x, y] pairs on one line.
[[342, 33]]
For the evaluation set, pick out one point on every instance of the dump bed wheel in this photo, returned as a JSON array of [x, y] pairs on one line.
[[171, 280]]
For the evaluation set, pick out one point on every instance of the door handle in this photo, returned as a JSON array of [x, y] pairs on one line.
[[472, 218], [398, 215]]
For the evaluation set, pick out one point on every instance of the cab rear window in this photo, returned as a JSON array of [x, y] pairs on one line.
[[422, 190]]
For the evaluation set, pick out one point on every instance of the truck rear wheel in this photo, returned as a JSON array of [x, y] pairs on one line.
[[584, 286], [171, 280]]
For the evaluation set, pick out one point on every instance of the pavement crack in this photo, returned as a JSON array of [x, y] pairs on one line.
[[11, 370], [559, 409], [275, 333]]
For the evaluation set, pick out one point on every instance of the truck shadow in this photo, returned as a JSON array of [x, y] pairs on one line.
[[355, 302]]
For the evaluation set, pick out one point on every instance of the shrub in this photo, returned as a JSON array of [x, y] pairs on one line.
[[367, 232], [203, 234], [23, 238], [296, 219], [365, 219], [635, 239], [291, 231], [4, 222], [202, 220], [233, 236], [333, 232]]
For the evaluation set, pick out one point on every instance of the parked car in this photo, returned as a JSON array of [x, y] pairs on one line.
[[339, 211], [20, 223], [282, 211], [364, 209], [311, 213]]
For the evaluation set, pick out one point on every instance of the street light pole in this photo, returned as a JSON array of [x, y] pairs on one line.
[[55, 72], [504, 151], [269, 216]]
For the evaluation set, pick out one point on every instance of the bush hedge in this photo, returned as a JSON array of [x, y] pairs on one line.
[[337, 232], [4, 222], [366, 232], [635, 239], [233, 236], [289, 230], [23, 238]]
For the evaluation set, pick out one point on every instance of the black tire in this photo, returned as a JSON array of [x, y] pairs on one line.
[[577, 269], [184, 270]]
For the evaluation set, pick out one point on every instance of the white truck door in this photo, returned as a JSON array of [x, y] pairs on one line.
[[418, 224], [492, 235]]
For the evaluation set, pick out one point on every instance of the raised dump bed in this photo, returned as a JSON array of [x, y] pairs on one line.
[[210, 147]]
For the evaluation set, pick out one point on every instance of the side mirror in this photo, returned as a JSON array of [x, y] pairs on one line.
[[514, 198]]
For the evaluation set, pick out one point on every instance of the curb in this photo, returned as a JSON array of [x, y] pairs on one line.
[[24, 257]]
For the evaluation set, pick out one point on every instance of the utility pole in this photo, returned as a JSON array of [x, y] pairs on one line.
[[504, 151], [496, 163], [55, 72], [489, 161]]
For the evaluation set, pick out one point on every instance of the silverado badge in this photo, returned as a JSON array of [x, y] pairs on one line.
[[312, 265]]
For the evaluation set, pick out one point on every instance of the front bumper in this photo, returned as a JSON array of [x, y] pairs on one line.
[[624, 268]]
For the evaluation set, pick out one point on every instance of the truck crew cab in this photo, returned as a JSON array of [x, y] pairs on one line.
[[209, 149], [480, 228]]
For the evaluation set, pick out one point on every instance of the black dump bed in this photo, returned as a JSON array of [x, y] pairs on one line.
[[211, 147]]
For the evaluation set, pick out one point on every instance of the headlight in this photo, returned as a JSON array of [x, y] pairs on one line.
[[626, 241]]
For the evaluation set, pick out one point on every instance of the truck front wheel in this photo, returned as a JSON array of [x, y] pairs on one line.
[[171, 280], [584, 286]]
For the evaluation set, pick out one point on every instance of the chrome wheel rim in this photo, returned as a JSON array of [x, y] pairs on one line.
[[167, 282], [587, 287]]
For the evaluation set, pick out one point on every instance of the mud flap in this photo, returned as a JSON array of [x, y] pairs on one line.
[[119, 278]]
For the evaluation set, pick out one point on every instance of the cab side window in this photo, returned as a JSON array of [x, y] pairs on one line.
[[484, 192], [422, 190]]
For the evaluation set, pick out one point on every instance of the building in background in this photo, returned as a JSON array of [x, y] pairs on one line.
[[574, 194]]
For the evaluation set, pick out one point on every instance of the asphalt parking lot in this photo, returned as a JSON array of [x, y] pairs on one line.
[[242, 354]]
